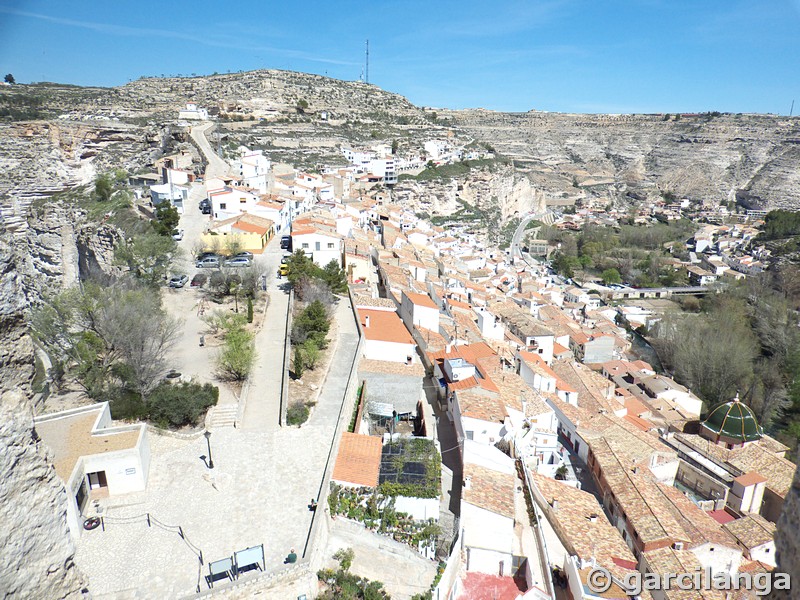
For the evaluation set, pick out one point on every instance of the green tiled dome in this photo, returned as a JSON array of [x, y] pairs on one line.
[[733, 420]]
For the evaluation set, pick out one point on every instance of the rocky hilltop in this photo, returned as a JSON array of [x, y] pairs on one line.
[[304, 119], [710, 158]]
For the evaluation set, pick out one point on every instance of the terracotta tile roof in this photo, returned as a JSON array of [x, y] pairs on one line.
[[384, 326], [751, 531], [751, 478], [583, 535], [559, 350], [479, 405], [421, 300], [667, 560], [490, 490], [757, 456], [359, 459], [537, 364], [391, 367]]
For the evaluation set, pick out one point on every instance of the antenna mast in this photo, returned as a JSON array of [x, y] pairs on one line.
[[367, 56]]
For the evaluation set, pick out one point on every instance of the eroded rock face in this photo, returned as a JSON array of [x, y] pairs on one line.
[[499, 189], [36, 552], [787, 538]]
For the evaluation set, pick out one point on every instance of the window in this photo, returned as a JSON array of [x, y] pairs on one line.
[[330, 245], [222, 206], [242, 200], [305, 245], [316, 246], [470, 435]]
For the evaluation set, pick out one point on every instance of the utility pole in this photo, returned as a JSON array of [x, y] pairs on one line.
[[367, 67], [791, 110]]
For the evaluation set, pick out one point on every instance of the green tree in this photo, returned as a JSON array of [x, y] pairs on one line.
[[235, 360], [9, 78], [249, 310], [148, 256], [180, 404], [302, 106], [311, 354], [611, 276], [312, 324], [299, 363], [103, 188], [167, 219], [335, 277]]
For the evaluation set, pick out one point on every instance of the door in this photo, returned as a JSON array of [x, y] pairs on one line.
[[97, 480]]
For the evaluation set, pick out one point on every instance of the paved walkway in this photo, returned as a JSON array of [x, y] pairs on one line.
[[263, 394], [257, 493]]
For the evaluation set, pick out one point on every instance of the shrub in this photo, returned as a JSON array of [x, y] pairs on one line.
[[249, 310], [299, 363], [313, 324], [238, 354], [297, 413], [176, 405], [310, 354]]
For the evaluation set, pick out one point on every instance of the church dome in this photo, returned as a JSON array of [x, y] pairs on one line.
[[733, 422]]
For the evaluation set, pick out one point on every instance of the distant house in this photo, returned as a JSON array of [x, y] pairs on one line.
[[174, 194], [251, 233], [322, 245], [192, 112], [698, 276]]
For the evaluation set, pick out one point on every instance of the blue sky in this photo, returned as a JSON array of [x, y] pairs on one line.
[[556, 55]]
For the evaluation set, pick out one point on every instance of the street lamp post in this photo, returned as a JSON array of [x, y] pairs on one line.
[[208, 441]]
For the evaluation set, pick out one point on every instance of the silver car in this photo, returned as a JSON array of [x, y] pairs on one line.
[[208, 262], [238, 261]]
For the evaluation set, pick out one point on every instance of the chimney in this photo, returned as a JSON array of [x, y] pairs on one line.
[[449, 347], [555, 505], [593, 518], [468, 482], [366, 321]]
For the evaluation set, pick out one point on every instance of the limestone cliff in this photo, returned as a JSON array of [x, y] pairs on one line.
[[787, 539], [35, 548], [499, 189]]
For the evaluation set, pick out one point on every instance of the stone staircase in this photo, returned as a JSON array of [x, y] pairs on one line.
[[224, 415]]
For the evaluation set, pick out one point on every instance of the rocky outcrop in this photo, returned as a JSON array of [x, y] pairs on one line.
[[787, 538], [35, 548], [708, 157], [499, 188]]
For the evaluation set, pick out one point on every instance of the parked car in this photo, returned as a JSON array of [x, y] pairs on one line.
[[199, 280], [178, 281], [205, 206], [286, 242], [177, 234], [208, 262], [238, 261], [283, 270], [243, 254]]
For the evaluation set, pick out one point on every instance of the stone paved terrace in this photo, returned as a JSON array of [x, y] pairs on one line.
[[257, 493]]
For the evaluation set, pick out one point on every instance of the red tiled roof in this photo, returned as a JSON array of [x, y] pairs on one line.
[[751, 478], [421, 299], [384, 326], [480, 586], [359, 459]]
